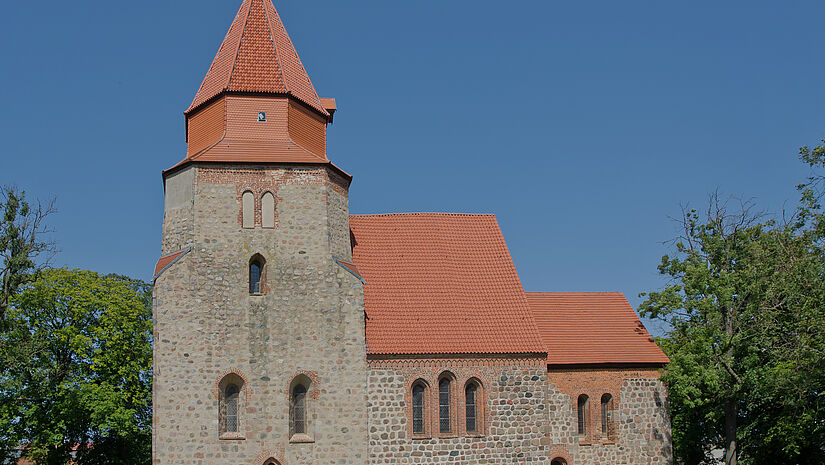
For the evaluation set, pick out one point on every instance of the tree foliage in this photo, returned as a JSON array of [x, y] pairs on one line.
[[22, 231], [746, 307], [80, 369]]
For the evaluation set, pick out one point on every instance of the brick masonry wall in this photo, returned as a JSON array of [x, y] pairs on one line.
[[639, 429], [514, 413], [310, 321]]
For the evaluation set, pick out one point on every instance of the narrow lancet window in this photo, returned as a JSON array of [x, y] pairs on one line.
[[231, 397], [299, 394], [444, 405], [256, 270], [607, 407], [418, 408], [470, 401], [582, 414]]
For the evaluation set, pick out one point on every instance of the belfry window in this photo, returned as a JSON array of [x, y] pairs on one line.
[[256, 272], [583, 405], [418, 391], [444, 405]]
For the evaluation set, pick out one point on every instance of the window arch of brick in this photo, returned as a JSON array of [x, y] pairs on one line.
[[231, 401], [302, 396], [582, 414], [473, 407], [607, 416], [445, 402], [419, 394], [257, 275]]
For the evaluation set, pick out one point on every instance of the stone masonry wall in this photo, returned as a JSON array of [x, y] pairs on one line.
[[513, 424], [638, 425], [310, 322]]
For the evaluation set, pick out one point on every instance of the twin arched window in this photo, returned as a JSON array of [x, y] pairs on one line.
[[583, 415], [248, 210]]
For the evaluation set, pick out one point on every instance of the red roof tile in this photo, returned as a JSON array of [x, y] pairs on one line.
[[167, 261], [592, 328], [257, 55], [441, 283]]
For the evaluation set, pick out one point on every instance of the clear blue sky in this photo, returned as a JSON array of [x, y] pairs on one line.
[[581, 125]]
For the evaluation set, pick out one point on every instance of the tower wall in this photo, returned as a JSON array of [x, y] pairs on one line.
[[309, 322]]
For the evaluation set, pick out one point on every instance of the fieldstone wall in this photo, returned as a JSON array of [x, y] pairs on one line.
[[638, 424], [513, 428], [309, 322]]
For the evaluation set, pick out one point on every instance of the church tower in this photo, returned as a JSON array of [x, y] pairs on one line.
[[260, 354]]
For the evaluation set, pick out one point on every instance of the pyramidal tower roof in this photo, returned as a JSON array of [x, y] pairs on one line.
[[257, 56]]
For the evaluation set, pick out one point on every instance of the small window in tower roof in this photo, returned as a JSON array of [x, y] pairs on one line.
[[262, 117]]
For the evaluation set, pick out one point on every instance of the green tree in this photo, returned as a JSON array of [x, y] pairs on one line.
[[22, 231], [82, 368], [745, 306]]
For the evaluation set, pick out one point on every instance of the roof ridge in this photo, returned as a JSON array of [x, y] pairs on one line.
[[275, 47], [424, 214], [576, 293], [240, 42]]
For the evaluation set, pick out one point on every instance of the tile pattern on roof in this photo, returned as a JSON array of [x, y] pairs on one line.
[[440, 284], [167, 261], [257, 55], [592, 328]]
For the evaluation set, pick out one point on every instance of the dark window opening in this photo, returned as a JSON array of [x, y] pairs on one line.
[[299, 409], [607, 400], [470, 399], [582, 414], [444, 405], [418, 409], [255, 272], [231, 405]]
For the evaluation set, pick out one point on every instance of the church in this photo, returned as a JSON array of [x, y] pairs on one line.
[[290, 332]]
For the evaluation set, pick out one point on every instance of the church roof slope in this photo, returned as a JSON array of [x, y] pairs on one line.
[[257, 56], [440, 283], [592, 328]]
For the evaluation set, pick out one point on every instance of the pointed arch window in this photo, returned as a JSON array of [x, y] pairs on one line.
[[230, 390], [256, 274], [607, 411], [419, 391], [299, 399], [444, 388], [583, 403], [471, 407]]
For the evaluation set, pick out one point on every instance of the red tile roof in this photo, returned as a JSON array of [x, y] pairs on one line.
[[257, 55], [440, 283], [592, 328], [167, 261]]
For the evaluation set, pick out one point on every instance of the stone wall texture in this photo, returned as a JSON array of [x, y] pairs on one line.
[[309, 321]]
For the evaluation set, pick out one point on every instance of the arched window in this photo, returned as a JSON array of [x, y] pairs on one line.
[[582, 414], [300, 409], [299, 399], [558, 461], [229, 405], [256, 273], [268, 210], [607, 409], [418, 393], [444, 425], [471, 406], [231, 397], [248, 209]]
